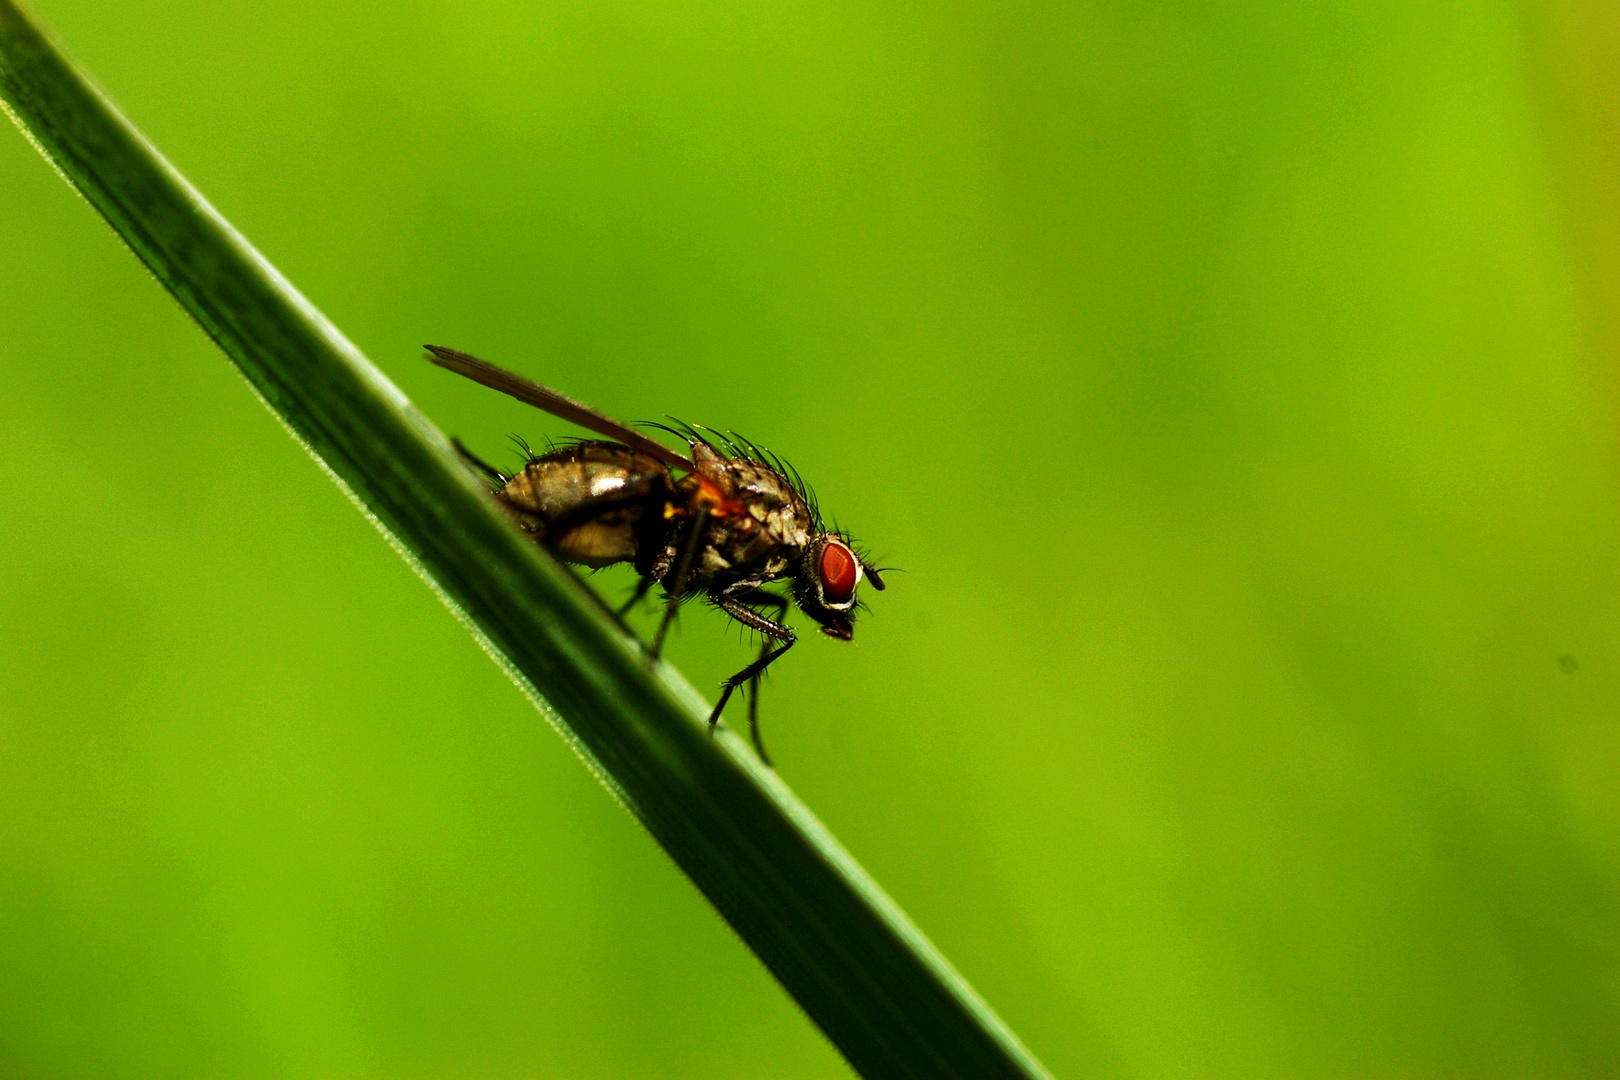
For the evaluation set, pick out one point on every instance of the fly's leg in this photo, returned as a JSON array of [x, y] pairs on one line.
[[642, 586], [736, 605], [780, 603], [651, 573], [479, 463], [683, 570]]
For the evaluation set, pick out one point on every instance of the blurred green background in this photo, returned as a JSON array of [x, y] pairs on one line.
[[1235, 383]]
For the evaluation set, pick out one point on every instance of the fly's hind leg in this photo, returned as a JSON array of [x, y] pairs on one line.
[[642, 588], [682, 570], [479, 463], [655, 550], [736, 604]]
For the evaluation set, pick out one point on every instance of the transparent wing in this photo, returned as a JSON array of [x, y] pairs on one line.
[[542, 397]]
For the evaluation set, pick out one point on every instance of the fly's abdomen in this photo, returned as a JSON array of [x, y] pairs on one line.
[[594, 503]]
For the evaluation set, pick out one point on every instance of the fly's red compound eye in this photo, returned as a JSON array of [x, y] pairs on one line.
[[838, 572]]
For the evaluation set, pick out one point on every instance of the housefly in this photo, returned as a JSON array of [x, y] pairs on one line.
[[734, 520]]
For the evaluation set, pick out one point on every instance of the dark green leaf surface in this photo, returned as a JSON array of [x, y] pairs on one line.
[[853, 961]]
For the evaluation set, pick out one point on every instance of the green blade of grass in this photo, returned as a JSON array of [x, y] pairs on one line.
[[850, 957]]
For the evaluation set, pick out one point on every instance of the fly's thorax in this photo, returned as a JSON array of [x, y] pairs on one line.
[[759, 523]]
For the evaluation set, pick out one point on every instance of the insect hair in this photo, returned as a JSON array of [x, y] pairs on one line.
[[784, 468], [524, 449], [729, 444]]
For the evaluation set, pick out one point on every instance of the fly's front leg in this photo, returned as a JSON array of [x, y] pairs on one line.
[[756, 598], [735, 603]]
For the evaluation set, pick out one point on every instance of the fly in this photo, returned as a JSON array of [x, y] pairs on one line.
[[736, 519]]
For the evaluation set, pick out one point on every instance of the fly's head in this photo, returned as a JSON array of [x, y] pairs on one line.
[[828, 577]]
